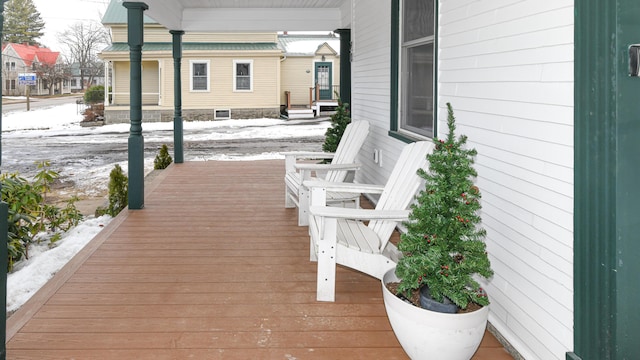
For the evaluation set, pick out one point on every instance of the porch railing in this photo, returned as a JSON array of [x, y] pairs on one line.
[[316, 94]]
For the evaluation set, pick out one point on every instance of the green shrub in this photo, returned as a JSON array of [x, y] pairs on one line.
[[94, 94], [163, 159], [118, 191], [339, 122], [29, 214]]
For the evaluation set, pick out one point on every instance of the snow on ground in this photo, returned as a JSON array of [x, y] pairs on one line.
[[30, 275], [63, 121], [92, 151]]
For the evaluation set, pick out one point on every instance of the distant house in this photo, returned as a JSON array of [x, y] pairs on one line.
[[76, 80], [226, 75], [310, 73], [24, 58]]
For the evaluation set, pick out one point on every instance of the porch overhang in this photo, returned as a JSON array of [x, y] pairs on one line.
[[250, 15]]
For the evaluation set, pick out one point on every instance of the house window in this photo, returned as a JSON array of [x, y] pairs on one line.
[[74, 82], [7, 83], [415, 91], [243, 79], [10, 66], [199, 75], [13, 85]]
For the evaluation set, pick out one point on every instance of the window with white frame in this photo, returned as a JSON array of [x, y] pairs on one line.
[[243, 75], [417, 34], [200, 75]]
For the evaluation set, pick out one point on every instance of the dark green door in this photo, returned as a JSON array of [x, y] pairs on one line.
[[607, 194], [324, 73]]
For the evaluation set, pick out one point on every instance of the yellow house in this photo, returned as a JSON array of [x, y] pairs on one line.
[[310, 73], [226, 75]]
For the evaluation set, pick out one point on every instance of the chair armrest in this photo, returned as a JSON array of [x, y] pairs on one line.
[[311, 155], [359, 214], [327, 166], [345, 187]]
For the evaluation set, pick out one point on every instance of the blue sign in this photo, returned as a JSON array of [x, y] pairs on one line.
[[27, 79]]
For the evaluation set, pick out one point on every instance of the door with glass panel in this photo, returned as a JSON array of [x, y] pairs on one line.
[[323, 72]]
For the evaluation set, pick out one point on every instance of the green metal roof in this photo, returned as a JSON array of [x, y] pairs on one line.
[[116, 47], [117, 14]]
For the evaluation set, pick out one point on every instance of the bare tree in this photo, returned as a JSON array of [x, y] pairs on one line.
[[53, 75], [84, 40]]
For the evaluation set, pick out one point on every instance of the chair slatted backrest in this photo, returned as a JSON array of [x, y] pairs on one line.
[[402, 186], [352, 140]]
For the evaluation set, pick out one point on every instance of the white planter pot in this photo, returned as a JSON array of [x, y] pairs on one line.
[[426, 334]]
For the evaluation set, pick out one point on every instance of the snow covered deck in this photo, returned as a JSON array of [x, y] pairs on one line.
[[214, 267]]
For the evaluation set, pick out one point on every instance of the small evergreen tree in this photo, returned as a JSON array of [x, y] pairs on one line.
[[118, 191], [163, 159], [339, 122], [443, 246], [22, 23]]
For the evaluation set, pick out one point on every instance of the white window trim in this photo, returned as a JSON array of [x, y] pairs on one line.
[[191, 63], [251, 71]]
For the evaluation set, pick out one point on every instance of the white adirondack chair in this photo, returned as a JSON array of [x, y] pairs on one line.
[[343, 160], [339, 236]]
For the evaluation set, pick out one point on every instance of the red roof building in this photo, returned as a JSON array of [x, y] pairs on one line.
[[20, 58]]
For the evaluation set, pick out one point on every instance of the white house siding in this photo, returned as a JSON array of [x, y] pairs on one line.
[[371, 34], [506, 66]]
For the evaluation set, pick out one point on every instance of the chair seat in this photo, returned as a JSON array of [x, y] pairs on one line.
[[353, 235], [357, 236]]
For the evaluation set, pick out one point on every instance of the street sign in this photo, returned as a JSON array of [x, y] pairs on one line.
[[26, 79]]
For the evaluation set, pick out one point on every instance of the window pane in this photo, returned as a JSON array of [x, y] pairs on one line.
[[199, 80], [243, 83], [417, 90], [242, 69], [199, 83], [200, 69], [243, 76], [323, 77], [418, 19]]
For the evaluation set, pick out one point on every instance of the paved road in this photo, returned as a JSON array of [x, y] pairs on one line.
[[85, 158], [10, 105]]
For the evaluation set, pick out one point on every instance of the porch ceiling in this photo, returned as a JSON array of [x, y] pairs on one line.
[[249, 15]]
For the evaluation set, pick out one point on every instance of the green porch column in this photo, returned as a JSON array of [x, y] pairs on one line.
[[136, 140], [345, 65], [4, 235], [607, 194], [178, 132]]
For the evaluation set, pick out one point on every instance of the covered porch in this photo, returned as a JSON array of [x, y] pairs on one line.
[[214, 267]]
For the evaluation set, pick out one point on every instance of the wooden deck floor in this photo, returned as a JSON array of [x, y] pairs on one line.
[[214, 267]]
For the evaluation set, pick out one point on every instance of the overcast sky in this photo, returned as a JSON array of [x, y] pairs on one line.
[[58, 15]]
